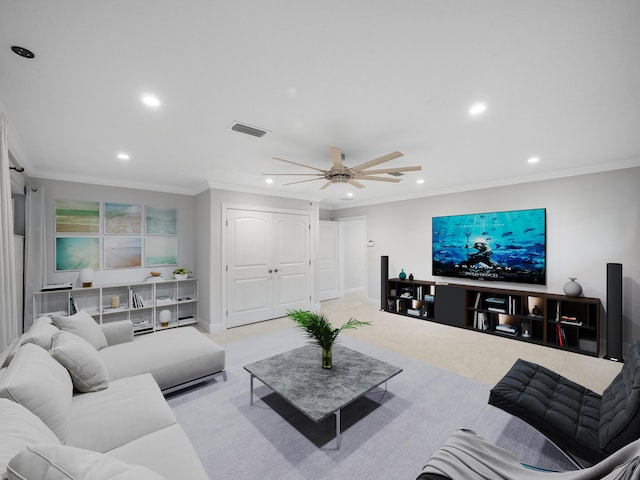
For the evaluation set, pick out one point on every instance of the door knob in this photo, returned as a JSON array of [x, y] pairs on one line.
[[271, 271], [276, 270]]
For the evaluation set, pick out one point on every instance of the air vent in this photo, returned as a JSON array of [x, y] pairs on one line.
[[256, 132], [396, 174], [347, 199]]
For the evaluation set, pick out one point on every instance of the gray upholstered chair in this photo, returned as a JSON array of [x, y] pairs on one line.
[[582, 423]]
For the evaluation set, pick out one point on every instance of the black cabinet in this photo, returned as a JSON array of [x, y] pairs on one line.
[[571, 323]]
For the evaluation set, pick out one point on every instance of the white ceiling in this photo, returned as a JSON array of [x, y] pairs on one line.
[[561, 80]]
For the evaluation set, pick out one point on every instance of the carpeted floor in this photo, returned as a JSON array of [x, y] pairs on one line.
[[384, 434]]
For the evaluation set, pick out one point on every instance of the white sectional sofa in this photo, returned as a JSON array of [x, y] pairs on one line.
[[80, 401]]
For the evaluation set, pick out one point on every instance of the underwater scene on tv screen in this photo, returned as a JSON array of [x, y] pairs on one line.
[[503, 246]]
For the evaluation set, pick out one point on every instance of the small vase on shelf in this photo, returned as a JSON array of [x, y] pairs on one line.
[[402, 275], [572, 288]]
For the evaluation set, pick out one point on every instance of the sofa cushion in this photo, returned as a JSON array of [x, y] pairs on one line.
[[620, 406], [59, 462], [87, 370], [34, 379], [173, 357], [130, 408], [168, 452], [19, 428], [41, 333], [83, 325]]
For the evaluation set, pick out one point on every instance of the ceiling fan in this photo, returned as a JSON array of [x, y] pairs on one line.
[[340, 173]]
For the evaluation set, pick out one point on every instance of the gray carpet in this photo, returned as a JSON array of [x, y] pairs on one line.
[[385, 435]]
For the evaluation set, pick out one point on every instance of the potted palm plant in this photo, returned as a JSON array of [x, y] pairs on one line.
[[321, 332]]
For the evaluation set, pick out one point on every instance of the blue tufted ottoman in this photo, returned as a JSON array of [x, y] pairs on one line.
[[579, 421]]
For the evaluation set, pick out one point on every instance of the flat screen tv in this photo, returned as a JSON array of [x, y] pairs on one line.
[[503, 246]]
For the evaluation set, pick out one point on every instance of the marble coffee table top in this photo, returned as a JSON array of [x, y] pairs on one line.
[[298, 377]]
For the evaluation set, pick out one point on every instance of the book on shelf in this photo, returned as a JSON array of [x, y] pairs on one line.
[[73, 309], [414, 312], [136, 300], [56, 286], [496, 310], [562, 337], [477, 302], [428, 298], [570, 321], [505, 328]]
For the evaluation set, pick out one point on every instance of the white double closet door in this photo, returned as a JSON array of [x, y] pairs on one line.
[[267, 265]]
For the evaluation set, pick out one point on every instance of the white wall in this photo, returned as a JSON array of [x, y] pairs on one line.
[[185, 205], [592, 220], [353, 260]]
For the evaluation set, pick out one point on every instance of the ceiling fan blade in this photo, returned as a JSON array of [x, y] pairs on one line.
[[380, 179], [299, 164], [336, 157], [391, 170], [355, 183], [303, 174], [326, 185], [302, 181], [378, 161]]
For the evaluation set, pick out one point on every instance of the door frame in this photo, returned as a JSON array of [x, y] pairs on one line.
[[259, 208]]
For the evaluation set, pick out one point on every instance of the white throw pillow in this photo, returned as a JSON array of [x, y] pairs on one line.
[[88, 371], [41, 333], [83, 325], [59, 462], [39, 383], [19, 428]]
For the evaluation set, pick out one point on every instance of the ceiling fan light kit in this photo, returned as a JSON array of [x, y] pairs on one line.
[[340, 173]]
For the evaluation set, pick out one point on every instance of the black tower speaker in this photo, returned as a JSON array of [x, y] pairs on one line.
[[614, 312], [384, 277]]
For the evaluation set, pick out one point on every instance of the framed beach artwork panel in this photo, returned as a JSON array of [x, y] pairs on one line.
[[161, 221], [122, 219], [76, 253], [122, 252], [161, 250], [77, 216]]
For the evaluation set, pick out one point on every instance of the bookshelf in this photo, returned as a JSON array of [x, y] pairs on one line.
[[552, 320], [141, 303]]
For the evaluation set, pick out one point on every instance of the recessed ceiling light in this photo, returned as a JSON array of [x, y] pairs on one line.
[[269, 180], [123, 156], [533, 160], [23, 52], [477, 109], [350, 194], [420, 181], [150, 100]]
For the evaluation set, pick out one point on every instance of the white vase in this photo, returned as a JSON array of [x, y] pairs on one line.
[[180, 276], [572, 288]]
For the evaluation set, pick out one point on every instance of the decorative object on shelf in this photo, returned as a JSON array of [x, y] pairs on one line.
[[115, 301], [536, 310], [572, 288], [181, 273], [86, 277], [402, 275], [320, 331], [411, 277], [165, 317]]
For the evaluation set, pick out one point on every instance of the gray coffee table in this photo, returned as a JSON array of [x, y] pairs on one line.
[[298, 377]]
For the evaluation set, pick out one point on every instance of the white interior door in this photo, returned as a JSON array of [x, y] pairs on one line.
[[328, 261], [249, 285], [268, 265], [292, 272]]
